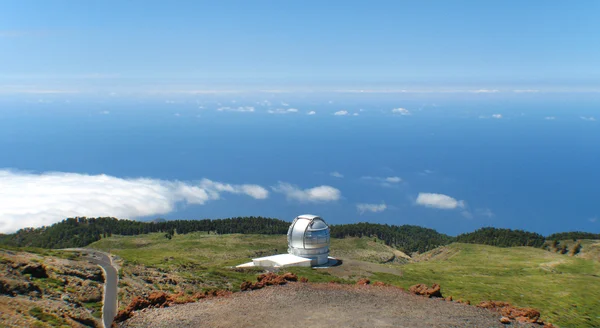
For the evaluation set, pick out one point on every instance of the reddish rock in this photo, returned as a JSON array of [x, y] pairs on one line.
[[448, 299], [303, 279], [423, 290], [505, 320], [363, 282], [246, 285], [138, 303], [158, 298], [122, 316], [523, 315], [379, 283], [289, 276]]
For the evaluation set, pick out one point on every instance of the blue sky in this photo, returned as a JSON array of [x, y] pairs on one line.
[[447, 114], [548, 44]]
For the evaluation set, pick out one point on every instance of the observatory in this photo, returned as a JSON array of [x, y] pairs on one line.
[[308, 237], [308, 245]]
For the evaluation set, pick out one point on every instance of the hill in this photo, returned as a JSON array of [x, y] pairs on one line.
[[502, 237], [41, 288], [565, 289]]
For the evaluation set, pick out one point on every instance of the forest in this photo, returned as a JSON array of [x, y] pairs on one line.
[[82, 231], [502, 237]]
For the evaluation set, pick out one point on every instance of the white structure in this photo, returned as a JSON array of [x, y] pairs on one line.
[[308, 245], [308, 237]]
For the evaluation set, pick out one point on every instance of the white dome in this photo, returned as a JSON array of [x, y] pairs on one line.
[[308, 236]]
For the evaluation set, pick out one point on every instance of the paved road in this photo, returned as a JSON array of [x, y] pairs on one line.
[[109, 309]]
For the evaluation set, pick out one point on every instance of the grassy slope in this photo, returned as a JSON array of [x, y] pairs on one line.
[[565, 289]]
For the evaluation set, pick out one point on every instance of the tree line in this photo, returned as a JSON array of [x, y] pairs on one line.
[[502, 237], [82, 231]]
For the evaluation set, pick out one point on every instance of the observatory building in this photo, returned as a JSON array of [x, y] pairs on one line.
[[308, 245]]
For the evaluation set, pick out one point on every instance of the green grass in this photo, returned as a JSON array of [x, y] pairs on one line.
[[95, 308], [47, 318], [565, 289]]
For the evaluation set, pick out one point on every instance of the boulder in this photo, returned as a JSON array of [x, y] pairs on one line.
[[363, 282], [505, 320], [35, 270], [424, 290]]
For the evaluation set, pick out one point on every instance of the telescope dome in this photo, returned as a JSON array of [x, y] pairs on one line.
[[308, 236]]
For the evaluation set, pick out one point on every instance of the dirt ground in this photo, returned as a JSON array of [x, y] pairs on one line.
[[318, 305]]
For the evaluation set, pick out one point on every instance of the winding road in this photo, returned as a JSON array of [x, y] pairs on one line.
[[109, 307]]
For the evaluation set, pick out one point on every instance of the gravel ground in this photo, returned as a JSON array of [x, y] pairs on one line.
[[318, 305]]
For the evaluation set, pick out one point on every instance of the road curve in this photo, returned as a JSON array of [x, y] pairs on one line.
[[109, 307]]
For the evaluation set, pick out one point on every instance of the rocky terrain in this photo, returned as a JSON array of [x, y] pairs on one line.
[[43, 290], [319, 305]]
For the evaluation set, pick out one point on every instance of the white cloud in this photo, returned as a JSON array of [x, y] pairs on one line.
[[375, 208], [467, 214], [393, 179], [312, 112], [484, 91], [341, 113], [484, 212], [440, 201], [33, 200], [249, 109], [591, 119], [497, 116], [254, 191], [316, 194], [336, 174], [355, 114], [177, 114], [593, 220], [104, 112], [549, 118], [384, 181], [401, 111], [282, 111]]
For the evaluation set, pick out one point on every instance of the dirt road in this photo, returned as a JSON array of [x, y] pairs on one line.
[[318, 305]]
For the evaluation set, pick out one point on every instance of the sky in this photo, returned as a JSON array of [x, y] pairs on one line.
[[449, 115], [550, 44]]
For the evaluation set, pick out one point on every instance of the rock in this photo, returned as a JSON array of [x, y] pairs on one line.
[[523, 315], [12, 287], [379, 283], [122, 316], [423, 290], [505, 320], [303, 279], [448, 299], [289, 276], [246, 285], [158, 298], [35, 270], [363, 282]]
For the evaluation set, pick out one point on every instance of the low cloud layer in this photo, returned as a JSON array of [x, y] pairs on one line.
[[374, 208], [314, 195], [33, 200], [440, 201], [341, 113]]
